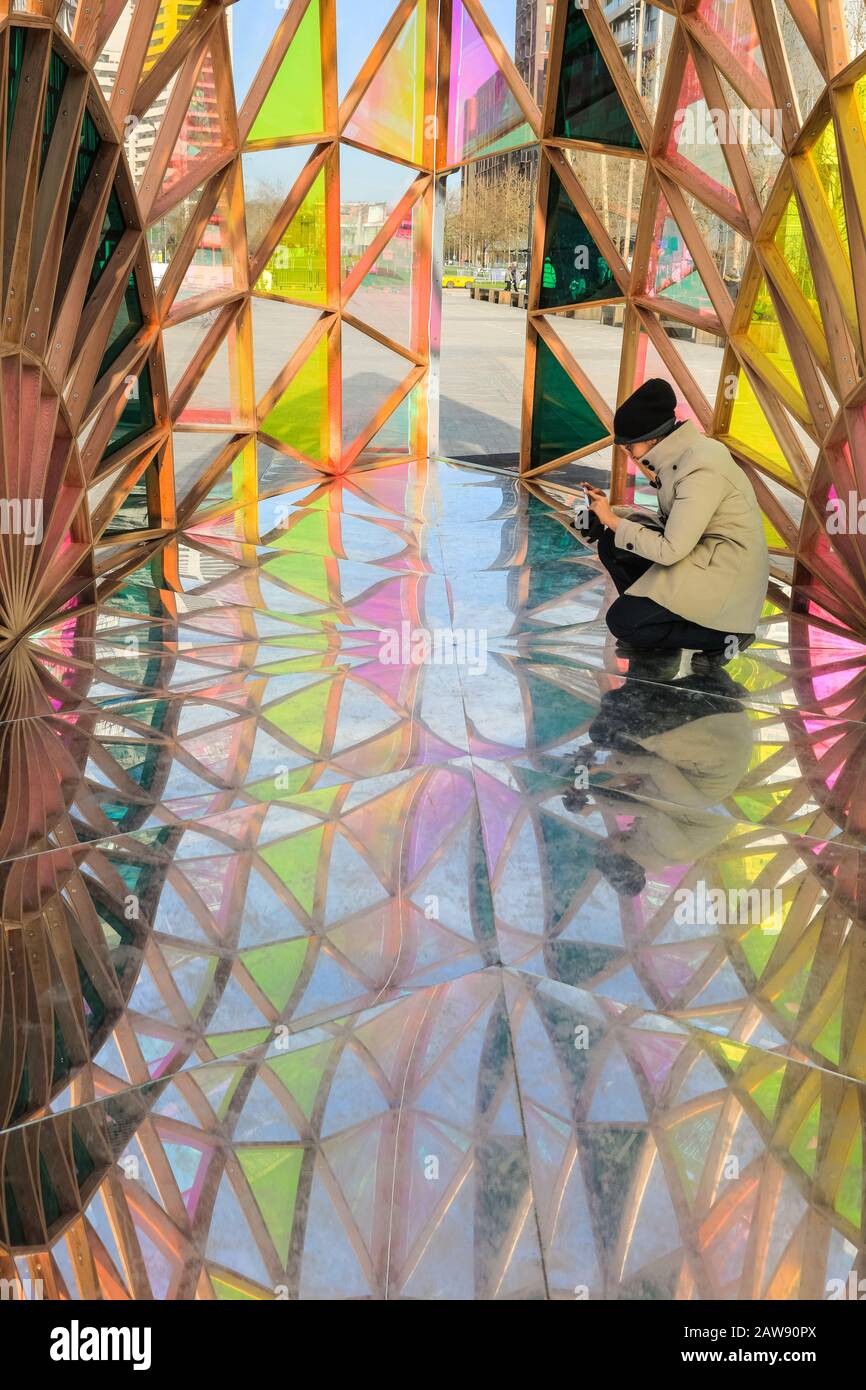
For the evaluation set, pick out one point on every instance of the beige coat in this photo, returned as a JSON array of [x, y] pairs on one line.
[[710, 563]]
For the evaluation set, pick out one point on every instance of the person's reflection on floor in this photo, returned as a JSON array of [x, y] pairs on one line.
[[663, 755]]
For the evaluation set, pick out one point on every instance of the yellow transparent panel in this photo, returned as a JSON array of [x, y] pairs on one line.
[[297, 269], [298, 418], [294, 104], [774, 540], [790, 241], [751, 429], [825, 157], [765, 332]]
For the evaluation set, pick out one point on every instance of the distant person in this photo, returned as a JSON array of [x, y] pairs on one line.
[[513, 276], [693, 575]]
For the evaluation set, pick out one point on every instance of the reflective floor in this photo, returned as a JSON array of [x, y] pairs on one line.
[[371, 931]]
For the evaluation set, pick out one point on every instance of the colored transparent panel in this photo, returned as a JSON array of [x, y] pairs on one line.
[[825, 158], [671, 272], [17, 44], [180, 343], [193, 455], [384, 297], [484, 115], [278, 331], [563, 422], [807, 82], [614, 185], [398, 435], [137, 417], [215, 264], [643, 34], [649, 363], [750, 428], [141, 135], [299, 418], [201, 135], [371, 372], [57, 74], [134, 513], [390, 115], [127, 321], [269, 177], [172, 17], [357, 28], [113, 228], [107, 64], [298, 267], [294, 104], [88, 147], [790, 241], [765, 332], [217, 398], [759, 134], [697, 139], [575, 272], [735, 25], [589, 106]]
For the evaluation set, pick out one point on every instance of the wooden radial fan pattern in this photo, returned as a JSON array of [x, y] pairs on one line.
[[244, 815]]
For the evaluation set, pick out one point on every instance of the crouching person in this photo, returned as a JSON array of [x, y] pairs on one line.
[[694, 575]]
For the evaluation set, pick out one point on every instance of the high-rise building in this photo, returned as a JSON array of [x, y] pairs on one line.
[[532, 44]]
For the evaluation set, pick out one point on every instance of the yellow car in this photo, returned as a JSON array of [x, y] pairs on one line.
[[457, 277]]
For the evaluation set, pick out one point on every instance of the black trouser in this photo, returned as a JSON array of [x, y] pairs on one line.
[[641, 622]]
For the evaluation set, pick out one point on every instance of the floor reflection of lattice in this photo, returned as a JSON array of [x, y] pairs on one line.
[[326, 974]]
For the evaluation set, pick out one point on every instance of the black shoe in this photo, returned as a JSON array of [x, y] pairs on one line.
[[655, 666]]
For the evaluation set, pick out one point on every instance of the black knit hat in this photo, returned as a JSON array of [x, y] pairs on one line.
[[648, 414]]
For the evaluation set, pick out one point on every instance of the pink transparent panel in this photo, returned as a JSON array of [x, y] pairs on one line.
[[484, 115]]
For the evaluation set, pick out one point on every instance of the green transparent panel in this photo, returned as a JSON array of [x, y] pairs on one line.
[[390, 115], [750, 427], [297, 269], [575, 272], [563, 422], [137, 417], [588, 105], [790, 241], [88, 147], [298, 417], [57, 74], [127, 321], [112, 230], [294, 104], [17, 43]]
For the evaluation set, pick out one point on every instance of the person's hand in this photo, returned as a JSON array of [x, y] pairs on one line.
[[598, 503]]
